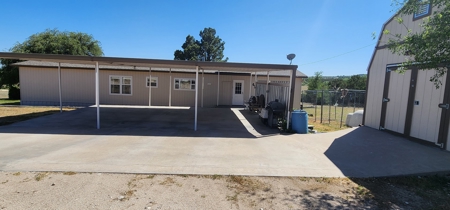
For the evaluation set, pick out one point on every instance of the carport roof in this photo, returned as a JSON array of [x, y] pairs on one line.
[[283, 73], [154, 63]]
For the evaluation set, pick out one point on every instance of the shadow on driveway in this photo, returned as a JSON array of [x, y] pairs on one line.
[[366, 152], [212, 122]]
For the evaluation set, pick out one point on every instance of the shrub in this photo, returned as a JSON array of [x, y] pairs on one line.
[[14, 93]]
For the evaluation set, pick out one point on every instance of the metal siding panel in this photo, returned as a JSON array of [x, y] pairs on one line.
[[210, 91], [225, 93], [160, 95], [182, 97], [39, 84], [139, 93], [78, 86]]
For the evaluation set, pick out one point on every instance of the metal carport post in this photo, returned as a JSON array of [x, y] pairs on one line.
[[196, 97], [59, 86], [97, 94]]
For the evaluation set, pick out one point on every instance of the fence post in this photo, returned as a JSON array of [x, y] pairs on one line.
[[329, 110], [321, 108], [342, 113], [354, 101], [315, 109]]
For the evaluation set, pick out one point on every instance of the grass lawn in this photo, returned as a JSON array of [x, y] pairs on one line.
[[9, 115], [331, 118], [9, 102]]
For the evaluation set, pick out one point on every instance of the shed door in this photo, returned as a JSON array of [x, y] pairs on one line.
[[426, 116], [414, 107], [238, 92], [395, 101]]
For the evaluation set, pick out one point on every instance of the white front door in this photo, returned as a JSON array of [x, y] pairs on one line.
[[238, 92]]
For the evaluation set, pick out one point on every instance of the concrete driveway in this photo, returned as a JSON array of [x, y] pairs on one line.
[[229, 141]]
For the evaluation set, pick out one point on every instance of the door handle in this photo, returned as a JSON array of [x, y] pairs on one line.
[[443, 106], [386, 99]]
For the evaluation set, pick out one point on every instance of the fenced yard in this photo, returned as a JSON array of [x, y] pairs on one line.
[[327, 110]]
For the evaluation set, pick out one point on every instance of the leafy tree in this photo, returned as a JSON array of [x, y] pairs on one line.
[[337, 83], [316, 82], [357, 82], [210, 47], [428, 48], [191, 49], [51, 41]]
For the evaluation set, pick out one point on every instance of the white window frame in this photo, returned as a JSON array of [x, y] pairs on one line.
[[121, 78], [179, 79], [147, 83]]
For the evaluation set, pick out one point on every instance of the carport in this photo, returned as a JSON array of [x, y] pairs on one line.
[[192, 66]]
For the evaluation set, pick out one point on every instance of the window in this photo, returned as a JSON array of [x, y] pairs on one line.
[[184, 84], [238, 88], [120, 85], [423, 11], [154, 82]]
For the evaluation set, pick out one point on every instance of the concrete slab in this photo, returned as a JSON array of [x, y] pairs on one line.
[[66, 142]]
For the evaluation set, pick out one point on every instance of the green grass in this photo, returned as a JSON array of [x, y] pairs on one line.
[[9, 102]]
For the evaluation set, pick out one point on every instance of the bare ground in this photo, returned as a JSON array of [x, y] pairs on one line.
[[12, 114], [70, 190]]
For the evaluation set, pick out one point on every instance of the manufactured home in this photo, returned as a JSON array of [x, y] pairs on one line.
[[129, 85], [85, 80], [406, 103]]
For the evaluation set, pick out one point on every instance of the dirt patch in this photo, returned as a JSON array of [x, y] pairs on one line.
[[12, 114], [130, 191]]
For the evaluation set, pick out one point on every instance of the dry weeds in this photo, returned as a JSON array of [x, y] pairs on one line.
[[13, 114], [126, 191]]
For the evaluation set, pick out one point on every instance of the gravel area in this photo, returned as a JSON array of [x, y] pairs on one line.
[[70, 190]]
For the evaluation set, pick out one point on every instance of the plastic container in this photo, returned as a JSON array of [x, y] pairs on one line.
[[300, 121]]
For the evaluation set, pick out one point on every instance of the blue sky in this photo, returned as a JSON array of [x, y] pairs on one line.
[[254, 31]]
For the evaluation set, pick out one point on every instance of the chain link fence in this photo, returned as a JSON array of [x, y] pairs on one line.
[[330, 106]]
